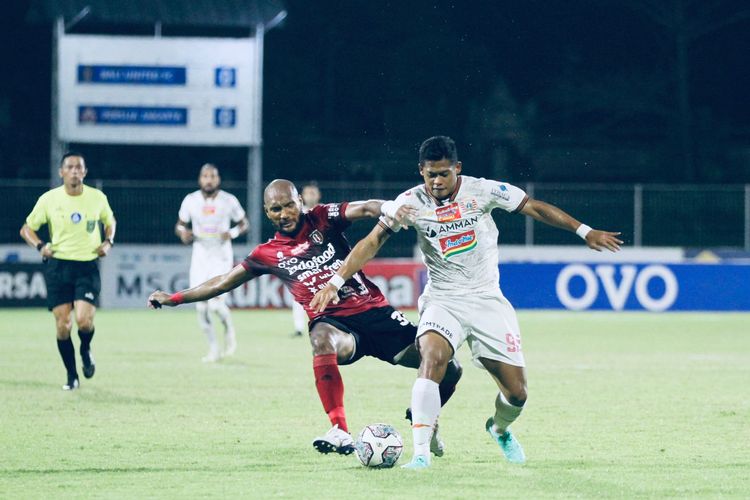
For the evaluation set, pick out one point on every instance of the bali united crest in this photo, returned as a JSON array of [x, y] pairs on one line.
[[316, 237]]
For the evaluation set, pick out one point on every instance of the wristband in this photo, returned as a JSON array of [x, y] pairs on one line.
[[177, 298], [583, 230], [110, 241], [234, 232], [337, 281], [39, 246]]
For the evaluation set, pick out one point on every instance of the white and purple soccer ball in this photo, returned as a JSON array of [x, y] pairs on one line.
[[379, 446]]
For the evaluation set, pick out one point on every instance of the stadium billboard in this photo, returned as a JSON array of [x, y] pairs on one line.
[[131, 272], [158, 90], [627, 287], [22, 284]]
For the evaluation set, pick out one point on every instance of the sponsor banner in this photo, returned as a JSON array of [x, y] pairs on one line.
[[131, 75], [628, 287], [168, 90], [399, 280], [132, 115], [131, 272], [22, 285]]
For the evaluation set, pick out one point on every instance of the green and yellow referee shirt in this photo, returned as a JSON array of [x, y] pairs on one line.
[[72, 221]]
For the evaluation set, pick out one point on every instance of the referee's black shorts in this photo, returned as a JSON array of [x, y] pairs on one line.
[[71, 280]]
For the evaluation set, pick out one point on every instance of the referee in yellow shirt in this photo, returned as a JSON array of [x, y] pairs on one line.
[[72, 213]]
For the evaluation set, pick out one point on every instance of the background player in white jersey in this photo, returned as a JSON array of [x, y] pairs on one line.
[[310, 197], [210, 213], [462, 300]]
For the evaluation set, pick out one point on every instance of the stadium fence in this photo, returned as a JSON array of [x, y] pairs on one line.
[[691, 216]]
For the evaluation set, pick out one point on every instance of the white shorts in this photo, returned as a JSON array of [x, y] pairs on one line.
[[202, 270], [487, 322]]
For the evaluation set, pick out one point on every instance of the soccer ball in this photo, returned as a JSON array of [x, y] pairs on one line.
[[379, 446]]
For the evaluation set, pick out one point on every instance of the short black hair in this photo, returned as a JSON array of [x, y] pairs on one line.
[[437, 148], [69, 154]]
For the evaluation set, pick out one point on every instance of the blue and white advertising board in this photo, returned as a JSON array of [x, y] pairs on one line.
[[627, 287], [158, 90]]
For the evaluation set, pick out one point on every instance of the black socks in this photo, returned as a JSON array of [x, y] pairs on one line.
[[67, 353], [85, 339]]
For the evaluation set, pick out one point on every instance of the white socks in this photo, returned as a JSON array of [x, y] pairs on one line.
[[204, 320], [425, 409], [300, 318], [220, 307], [505, 413]]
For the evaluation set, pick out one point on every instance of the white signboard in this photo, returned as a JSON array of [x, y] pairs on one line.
[[144, 90], [132, 272]]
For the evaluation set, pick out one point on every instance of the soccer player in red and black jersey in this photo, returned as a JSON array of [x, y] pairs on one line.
[[304, 254]]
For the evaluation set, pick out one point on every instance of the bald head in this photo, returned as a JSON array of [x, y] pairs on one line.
[[279, 188], [283, 205]]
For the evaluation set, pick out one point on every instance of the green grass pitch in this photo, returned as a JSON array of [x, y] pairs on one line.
[[624, 405]]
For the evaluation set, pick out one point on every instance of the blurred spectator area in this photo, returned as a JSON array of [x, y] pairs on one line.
[[648, 215]]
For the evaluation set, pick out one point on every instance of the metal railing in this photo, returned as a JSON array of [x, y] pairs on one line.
[[694, 216]]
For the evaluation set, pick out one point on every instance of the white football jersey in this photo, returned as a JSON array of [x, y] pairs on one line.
[[458, 237], [210, 217]]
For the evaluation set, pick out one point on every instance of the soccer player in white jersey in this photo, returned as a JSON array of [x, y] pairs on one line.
[[310, 197], [210, 213], [462, 300]]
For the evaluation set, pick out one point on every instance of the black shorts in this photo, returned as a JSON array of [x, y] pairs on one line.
[[381, 333], [71, 280]]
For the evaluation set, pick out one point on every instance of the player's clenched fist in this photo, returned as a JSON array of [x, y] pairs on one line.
[[186, 236], [405, 215], [324, 297], [158, 299]]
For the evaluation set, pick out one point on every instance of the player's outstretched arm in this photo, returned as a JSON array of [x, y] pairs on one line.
[[362, 252], [554, 216], [367, 209], [403, 214], [206, 290]]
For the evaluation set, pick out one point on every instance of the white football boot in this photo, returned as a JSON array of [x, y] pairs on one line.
[[335, 440]]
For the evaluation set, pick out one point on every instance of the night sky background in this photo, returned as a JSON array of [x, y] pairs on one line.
[[577, 90]]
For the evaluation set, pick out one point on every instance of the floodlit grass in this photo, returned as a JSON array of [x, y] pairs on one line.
[[621, 405]]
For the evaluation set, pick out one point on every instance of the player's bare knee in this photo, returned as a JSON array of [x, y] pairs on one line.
[[85, 323], [63, 324], [434, 353], [322, 342], [517, 395], [63, 331]]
